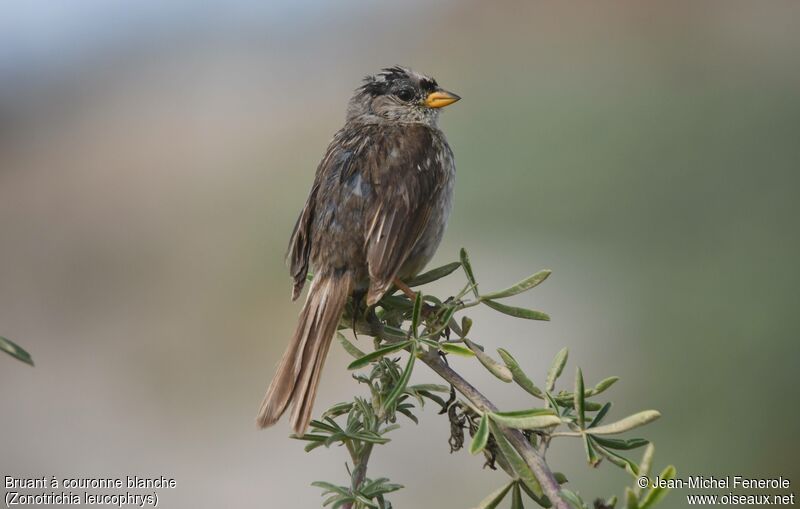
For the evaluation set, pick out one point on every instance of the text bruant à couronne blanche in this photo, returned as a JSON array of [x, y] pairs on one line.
[[130, 481]]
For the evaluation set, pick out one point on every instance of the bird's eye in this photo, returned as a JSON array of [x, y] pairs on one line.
[[405, 94]]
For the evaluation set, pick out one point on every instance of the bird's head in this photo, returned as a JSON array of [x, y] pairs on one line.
[[398, 94]]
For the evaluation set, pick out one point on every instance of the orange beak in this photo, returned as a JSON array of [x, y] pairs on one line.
[[440, 99]]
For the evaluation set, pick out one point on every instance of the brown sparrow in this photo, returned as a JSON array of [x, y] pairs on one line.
[[375, 215]]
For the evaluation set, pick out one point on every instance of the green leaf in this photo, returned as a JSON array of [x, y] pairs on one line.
[[377, 354], [646, 464], [626, 424], [519, 466], [611, 502], [519, 376], [494, 367], [481, 437], [430, 387], [494, 498], [468, 271], [528, 314], [399, 302], [591, 454], [415, 314], [535, 418], [16, 351], [466, 325], [572, 499], [522, 286], [542, 501], [337, 410], [599, 417], [456, 349], [623, 445], [604, 384], [408, 414], [516, 497], [656, 494], [381, 486], [579, 399], [443, 321], [551, 401], [433, 275], [630, 466], [400, 387], [349, 347], [556, 369], [631, 500], [331, 488]]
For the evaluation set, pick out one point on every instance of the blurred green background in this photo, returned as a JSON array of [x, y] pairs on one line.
[[154, 155]]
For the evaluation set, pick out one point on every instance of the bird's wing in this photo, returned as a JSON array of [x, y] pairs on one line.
[[402, 169], [337, 158], [300, 243]]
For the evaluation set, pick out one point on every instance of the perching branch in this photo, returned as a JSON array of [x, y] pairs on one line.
[[514, 440], [534, 460], [521, 444]]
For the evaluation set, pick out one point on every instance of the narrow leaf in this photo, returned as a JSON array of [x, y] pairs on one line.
[[536, 418], [481, 437], [604, 384], [328, 487], [377, 354], [656, 494], [444, 321], [416, 313], [519, 376], [15, 351], [549, 399], [556, 369], [591, 454], [542, 501], [399, 302], [599, 417], [572, 499], [434, 274], [337, 409], [494, 367], [349, 347], [518, 464], [456, 349], [494, 499], [629, 465], [631, 500], [466, 325], [468, 271], [528, 314], [626, 424], [623, 445], [516, 497], [579, 399], [401, 384], [430, 387], [646, 464], [522, 286]]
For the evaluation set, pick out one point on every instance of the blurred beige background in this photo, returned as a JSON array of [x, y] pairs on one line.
[[154, 155]]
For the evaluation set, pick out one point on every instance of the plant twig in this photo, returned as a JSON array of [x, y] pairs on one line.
[[360, 461], [534, 460], [521, 444]]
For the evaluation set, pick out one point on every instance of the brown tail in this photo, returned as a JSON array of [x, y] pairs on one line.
[[298, 373]]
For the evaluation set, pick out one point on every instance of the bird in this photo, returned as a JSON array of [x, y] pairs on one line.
[[374, 217]]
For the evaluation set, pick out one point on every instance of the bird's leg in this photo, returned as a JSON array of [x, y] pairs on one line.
[[404, 288], [358, 305]]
